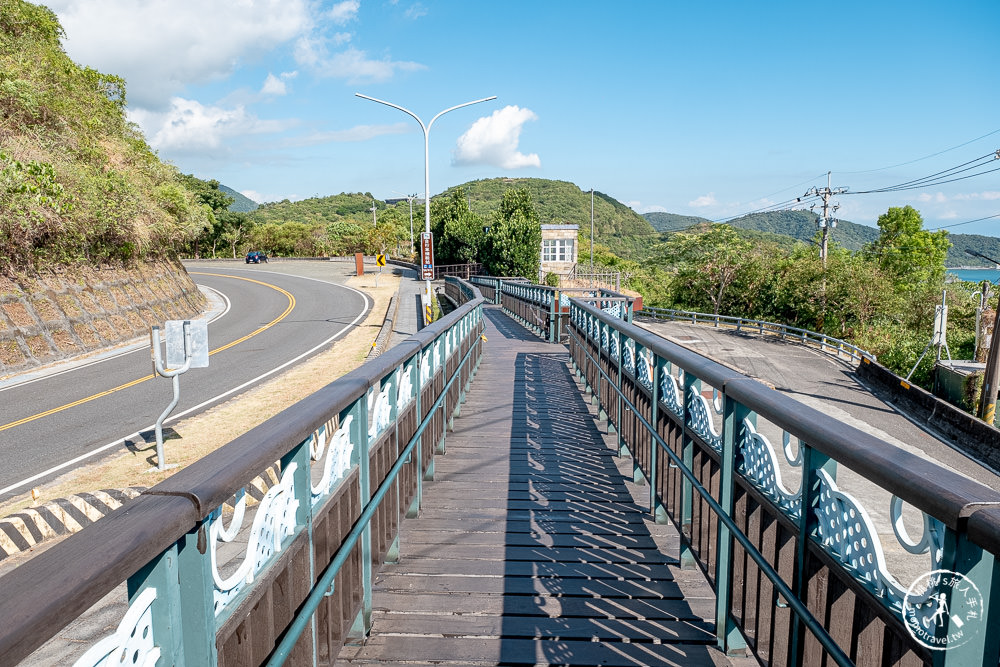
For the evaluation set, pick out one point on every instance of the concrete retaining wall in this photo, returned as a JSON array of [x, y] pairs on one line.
[[976, 438], [46, 318]]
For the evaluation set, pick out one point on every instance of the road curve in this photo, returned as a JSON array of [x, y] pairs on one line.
[[273, 319], [821, 382]]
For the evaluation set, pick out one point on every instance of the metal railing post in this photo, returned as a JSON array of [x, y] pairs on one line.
[[726, 631], [812, 462], [359, 433], [183, 610], [656, 507]]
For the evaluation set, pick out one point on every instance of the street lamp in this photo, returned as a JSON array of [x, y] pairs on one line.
[[409, 199], [427, 164]]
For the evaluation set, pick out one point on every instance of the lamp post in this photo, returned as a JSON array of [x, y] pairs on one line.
[[427, 164]]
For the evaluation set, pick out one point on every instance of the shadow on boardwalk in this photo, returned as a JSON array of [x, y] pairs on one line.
[[530, 547]]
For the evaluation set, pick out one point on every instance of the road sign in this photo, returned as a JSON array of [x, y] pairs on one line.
[[380, 260], [426, 256]]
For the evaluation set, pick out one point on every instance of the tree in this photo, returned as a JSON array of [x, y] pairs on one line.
[[513, 244], [707, 265], [911, 255], [458, 232]]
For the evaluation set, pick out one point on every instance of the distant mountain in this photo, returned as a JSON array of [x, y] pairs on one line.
[[801, 225], [242, 203], [672, 222]]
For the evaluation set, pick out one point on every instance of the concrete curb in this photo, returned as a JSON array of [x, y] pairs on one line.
[[32, 526]]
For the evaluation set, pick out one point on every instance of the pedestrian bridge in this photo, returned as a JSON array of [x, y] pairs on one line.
[[533, 480]]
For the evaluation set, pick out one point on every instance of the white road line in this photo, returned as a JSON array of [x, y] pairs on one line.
[[120, 442]]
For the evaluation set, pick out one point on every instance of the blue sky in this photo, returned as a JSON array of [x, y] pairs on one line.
[[709, 109]]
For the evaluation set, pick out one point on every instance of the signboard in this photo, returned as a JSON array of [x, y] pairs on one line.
[[175, 343], [426, 256], [380, 260]]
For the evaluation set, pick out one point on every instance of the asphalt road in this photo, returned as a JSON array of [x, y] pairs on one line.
[[267, 318], [821, 382]]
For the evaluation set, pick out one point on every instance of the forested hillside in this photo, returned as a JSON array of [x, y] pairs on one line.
[[241, 203], [78, 183], [801, 225], [615, 225]]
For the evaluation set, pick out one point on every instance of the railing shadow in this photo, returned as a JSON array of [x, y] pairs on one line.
[[584, 578]]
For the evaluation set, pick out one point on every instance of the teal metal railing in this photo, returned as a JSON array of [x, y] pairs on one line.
[[827, 344], [801, 575], [340, 468]]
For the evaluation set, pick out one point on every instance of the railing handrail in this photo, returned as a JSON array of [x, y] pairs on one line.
[[938, 491], [671, 434], [825, 341], [127, 539]]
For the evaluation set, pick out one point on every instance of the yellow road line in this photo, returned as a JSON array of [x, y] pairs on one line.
[[291, 306]]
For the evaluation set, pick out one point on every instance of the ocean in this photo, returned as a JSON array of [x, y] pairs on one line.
[[976, 275]]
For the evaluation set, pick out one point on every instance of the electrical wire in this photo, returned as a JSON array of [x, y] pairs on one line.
[[940, 177], [926, 157], [967, 222]]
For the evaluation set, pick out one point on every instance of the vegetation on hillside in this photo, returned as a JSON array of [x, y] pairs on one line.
[[881, 298], [801, 226], [78, 183], [241, 203]]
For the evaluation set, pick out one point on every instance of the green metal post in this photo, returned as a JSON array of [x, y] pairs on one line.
[[359, 433], [812, 462], [687, 559], [656, 507], [982, 569], [727, 633]]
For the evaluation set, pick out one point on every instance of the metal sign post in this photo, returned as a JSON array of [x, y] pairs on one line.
[[187, 347], [427, 271]]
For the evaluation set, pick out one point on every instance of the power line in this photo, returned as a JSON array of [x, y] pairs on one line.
[[926, 157], [967, 222], [940, 177]]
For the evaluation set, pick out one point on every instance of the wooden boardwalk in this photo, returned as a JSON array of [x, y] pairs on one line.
[[530, 547]]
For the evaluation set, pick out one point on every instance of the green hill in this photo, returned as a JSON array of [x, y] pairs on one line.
[[319, 210], [672, 222], [616, 226], [801, 225], [241, 203], [78, 183]]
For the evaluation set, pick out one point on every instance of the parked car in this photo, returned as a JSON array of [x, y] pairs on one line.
[[256, 257]]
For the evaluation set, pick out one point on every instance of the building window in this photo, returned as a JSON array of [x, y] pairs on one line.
[[557, 250]]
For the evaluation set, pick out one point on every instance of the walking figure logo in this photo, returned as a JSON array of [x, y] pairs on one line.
[[934, 621]]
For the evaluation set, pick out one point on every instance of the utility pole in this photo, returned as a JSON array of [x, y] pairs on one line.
[[826, 222], [991, 374], [374, 220]]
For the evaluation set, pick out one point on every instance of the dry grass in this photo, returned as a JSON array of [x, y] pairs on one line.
[[208, 431]]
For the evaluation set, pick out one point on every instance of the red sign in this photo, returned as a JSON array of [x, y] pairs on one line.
[[426, 256]]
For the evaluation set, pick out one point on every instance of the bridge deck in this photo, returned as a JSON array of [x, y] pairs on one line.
[[531, 547]]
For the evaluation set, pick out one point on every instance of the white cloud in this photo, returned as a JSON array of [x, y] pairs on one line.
[[989, 195], [415, 11], [704, 201], [253, 195], [188, 126], [493, 140], [937, 197], [640, 208], [352, 64], [160, 46], [357, 133], [344, 12], [950, 215], [274, 85]]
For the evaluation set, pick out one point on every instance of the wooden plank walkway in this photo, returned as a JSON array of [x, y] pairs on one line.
[[530, 547]]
